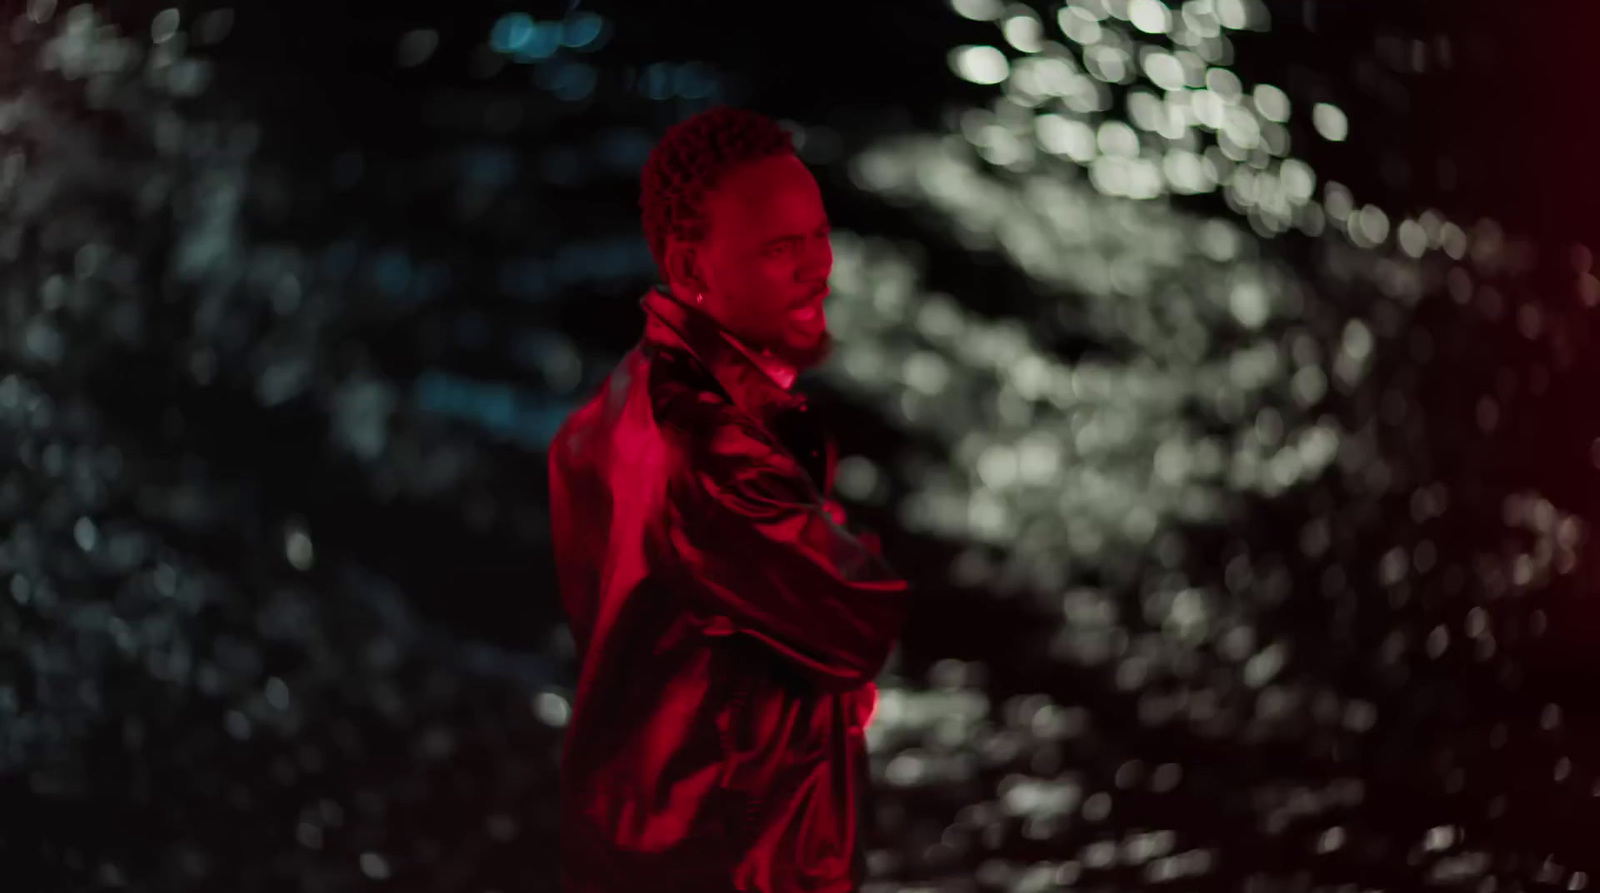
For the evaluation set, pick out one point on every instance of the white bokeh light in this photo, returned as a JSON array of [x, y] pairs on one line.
[[979, 64], [1330, 122]]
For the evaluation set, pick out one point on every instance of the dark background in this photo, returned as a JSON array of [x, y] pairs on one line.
[[282, 355]]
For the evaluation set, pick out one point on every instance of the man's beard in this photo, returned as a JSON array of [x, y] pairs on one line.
[[810, 356]]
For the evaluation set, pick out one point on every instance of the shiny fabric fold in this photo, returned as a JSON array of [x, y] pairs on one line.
[[728, 626]]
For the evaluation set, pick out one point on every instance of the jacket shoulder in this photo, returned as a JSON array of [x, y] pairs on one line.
[[577, 429]]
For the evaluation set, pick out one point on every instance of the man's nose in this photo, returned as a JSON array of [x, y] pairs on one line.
[[819, 260]]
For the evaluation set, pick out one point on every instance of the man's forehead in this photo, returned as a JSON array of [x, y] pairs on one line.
[[761, 187], [765, 202], [791, 205]]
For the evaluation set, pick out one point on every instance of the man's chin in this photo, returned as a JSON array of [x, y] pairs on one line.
[[805, 356]]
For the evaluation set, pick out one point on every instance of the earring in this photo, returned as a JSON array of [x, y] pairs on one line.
[[698, 297]]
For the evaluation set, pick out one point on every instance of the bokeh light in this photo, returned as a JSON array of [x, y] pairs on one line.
[[1180, 388]]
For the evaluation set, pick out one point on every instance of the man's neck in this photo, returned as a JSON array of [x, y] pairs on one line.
[[780, 372]]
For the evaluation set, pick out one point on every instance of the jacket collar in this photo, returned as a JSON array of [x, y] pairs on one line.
[[671, 323], [776, 369]]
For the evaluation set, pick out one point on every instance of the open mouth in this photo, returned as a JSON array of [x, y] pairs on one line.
[[809, 312]]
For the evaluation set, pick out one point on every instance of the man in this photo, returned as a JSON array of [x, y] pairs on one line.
[[728, 626]]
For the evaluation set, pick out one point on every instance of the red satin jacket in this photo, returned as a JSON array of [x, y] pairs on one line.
[[728, 629]]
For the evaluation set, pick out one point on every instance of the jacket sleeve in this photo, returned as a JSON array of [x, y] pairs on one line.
[[756, 544], [866, 536]]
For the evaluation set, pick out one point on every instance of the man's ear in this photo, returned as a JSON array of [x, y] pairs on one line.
[[683, 266]]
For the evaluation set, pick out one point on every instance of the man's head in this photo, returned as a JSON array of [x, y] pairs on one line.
[[734, 216]]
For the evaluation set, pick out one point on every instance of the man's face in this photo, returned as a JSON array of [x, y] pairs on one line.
[[765, 260]]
